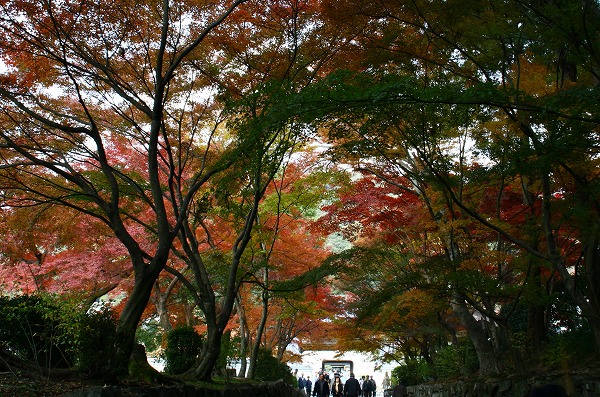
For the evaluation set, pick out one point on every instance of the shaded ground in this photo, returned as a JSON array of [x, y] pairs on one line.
[[14, 384], [29, 383], [19, 385]]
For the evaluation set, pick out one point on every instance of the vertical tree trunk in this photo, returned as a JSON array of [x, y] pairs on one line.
[[210, 354], [536, 314], [244, 335], [265, 312], [161, 299], [129, 319], [259, 332], [515, 353], [488, 363]]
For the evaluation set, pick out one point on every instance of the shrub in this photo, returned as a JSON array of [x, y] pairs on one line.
[[39, 329], [453, 361], [97, 332], [413, 372], [184, 345], [568, 348], [149, 334], [269, 369]]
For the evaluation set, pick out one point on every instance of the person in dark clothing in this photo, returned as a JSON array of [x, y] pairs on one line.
[[308, 385], [352, 387], [301, 384], [399, 391], [337, 387], [365, 387], [373, 386], [321, 387]]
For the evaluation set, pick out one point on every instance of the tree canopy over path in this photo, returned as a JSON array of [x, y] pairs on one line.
[[479, 131], [150, 150]]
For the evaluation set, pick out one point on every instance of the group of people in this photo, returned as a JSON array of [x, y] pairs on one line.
[[324, 386], [305, 385]]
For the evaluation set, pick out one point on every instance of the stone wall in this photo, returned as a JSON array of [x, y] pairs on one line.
[[576, 386], [274, 389]]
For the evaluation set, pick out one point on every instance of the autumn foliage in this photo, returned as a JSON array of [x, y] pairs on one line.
[[400, 178]]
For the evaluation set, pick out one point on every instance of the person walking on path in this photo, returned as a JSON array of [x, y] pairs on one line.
[[321, 388], [308, 386], [372, 387], [352, 387], [365, 387], [337, 387], [301, 385], [385, 384]]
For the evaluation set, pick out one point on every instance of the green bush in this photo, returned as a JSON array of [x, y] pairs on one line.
[[448, 362], [39, 329], [184, 346], [269, 369], [97, 332], [413, 372], [569, 348], [54, 333], [453, 361]]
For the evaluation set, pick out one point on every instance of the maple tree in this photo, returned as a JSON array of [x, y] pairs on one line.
[[398, 264], [132, 125], [283, 52], [71, 101], [278, 271], [431, 83], [151, 137], [283, 260], [45, 250]]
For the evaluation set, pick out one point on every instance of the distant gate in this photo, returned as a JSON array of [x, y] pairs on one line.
[[341, 367]]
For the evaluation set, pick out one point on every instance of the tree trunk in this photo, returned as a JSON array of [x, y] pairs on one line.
[[536, 325], [519, 363], [161, 306], [243, 338], [210, 355], [259, 332], [130, 317], [285, 335], [536, 313], [488, 363]]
